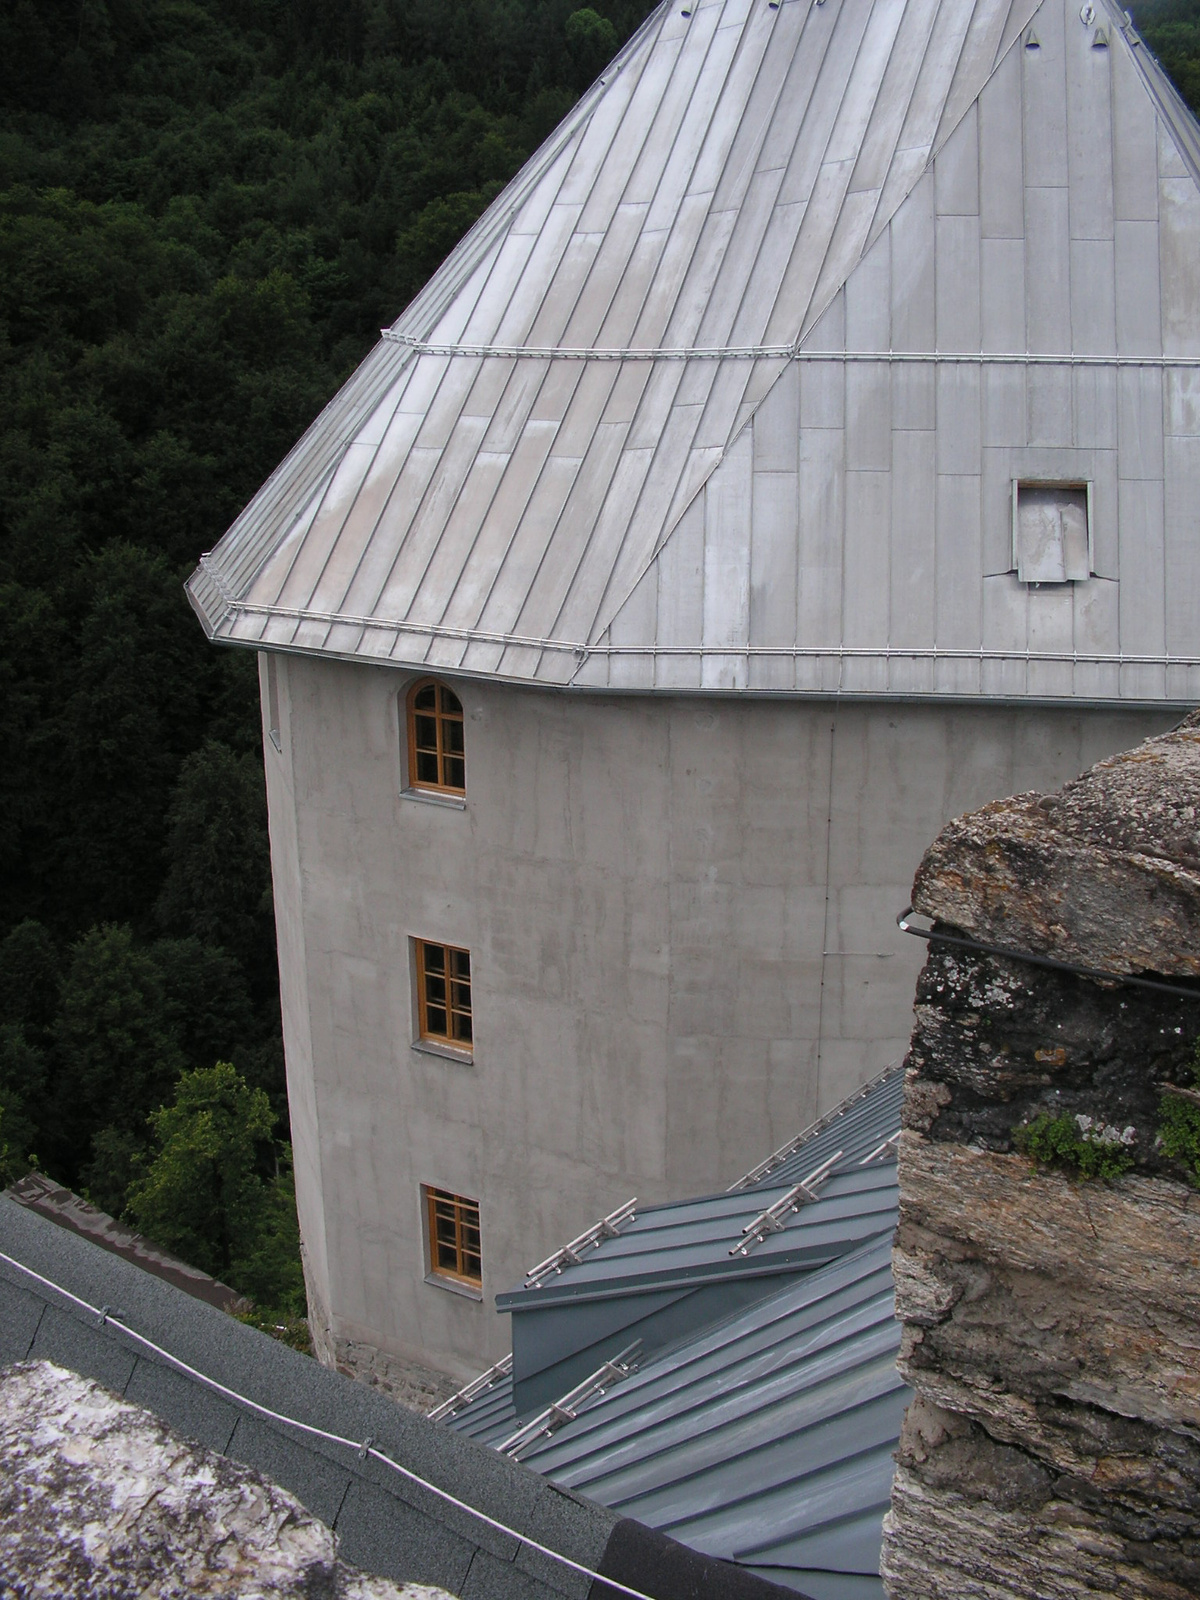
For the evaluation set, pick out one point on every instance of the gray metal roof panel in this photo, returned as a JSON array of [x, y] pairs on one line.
[[765, 1437], [723, 185], [765, 1434], [858, 1127], [689, 1241], [781, 1347]]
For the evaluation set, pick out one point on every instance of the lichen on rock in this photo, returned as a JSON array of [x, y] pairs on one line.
[[99, 1500]]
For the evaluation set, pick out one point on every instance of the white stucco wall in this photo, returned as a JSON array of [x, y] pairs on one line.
[[680, 913]]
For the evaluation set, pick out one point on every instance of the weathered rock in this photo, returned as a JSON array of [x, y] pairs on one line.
[[100, 1501], [972, 1549], [1106, 873], [1052, 1325]]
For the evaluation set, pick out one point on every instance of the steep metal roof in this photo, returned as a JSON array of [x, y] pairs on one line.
[[852, 1148], [766, 1437], [760, 1431], [683, 230], [858, 1127], [690, 1242]]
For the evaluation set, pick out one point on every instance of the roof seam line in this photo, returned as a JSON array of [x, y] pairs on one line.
[[781, 652], [794, 352]]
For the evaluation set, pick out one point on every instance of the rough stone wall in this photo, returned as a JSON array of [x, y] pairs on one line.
[[1052, 1323], [409, 1383]]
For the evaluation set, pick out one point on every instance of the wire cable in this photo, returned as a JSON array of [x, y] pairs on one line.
[[1042, 961], [105, 1315]]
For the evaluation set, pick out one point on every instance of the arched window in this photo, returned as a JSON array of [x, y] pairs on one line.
[[436, 754]]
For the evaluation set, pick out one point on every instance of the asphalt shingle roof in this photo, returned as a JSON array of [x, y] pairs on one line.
[[386, 1523]]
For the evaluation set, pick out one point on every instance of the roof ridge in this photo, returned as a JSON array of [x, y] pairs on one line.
[[1180, 120], [777, 1157]]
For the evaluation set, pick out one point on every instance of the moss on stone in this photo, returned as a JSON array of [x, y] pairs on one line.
[[1078, 1144]]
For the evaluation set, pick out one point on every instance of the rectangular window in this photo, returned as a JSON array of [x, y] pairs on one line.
[[1052, 532], [452, 1236], [444, 993]]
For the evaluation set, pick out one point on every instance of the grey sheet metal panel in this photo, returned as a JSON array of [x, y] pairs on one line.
[[676, 1266], [859, 1127], [1040, 255], [765, 1433], [765, 1437], [689, 1241], [735, 172]]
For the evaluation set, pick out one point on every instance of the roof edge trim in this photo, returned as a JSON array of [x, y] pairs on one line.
[[815, 652], [1168, 102]]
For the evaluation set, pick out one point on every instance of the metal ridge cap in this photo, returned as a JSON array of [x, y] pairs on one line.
[[794, 1259], [792, 1146]]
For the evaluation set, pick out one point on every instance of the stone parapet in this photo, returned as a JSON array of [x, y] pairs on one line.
[[1051, 1320]]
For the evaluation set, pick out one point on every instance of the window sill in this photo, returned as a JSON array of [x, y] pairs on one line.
[[448, 1052], [429, 797], [437, 1281]]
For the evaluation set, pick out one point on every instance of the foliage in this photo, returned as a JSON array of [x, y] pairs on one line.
[[22, 1085], [116, 1052], [291, 1331], [207, 211], [1079, 1144], [269, 1270], [207, 1192], [202, 1195], [1179, 1126], [218, 874], [1172, 30]]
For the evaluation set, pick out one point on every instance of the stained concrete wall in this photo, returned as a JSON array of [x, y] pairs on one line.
[[680, 913]]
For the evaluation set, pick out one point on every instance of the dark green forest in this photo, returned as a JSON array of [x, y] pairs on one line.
[[207, 210]]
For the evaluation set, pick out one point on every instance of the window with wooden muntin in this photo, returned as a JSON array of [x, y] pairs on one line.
[[452, 1228], [444, 993], [436, 751]]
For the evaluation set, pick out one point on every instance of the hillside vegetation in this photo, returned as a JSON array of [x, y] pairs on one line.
[[207, 210]]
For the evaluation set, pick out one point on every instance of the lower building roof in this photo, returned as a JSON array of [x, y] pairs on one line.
[[762, 1429]]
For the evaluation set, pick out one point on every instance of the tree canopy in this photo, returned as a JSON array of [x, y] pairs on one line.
[[207, 210]]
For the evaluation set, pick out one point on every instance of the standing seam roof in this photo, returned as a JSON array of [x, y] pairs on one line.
[[615, 318], [765, 1433]]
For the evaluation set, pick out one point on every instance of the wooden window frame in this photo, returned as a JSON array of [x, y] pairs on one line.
[[460, 1218], [442, 718], [459, 1042]]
